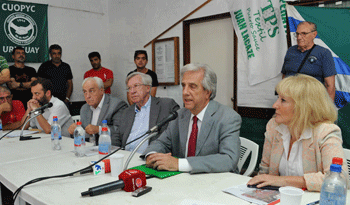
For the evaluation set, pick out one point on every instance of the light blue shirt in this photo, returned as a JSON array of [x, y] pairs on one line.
[[140, 127]]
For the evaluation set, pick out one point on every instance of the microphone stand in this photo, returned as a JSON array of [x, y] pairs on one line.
[[21, 137], [137, 147]]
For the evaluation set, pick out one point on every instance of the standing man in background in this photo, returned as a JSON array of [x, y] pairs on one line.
[[59, 73], [98, 71], [141, 60], [21, 77], [310, 59], [4, 71]]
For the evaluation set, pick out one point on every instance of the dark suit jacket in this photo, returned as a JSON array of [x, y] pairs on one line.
[[218, 142], [160, 109], [111, 111]]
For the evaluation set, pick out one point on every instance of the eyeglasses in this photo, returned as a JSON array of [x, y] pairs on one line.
[[302, 34], [136, 86], [9, 97]]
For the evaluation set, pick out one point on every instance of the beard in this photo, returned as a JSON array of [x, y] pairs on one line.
[[42, 101]]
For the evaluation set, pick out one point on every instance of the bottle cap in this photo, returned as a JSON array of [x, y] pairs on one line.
[[104, 121], [104, 129], [54, 117], [79, 123], [337, 160], [335, 168]]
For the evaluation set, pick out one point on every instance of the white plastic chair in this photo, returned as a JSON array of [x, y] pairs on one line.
[[347, 158], [76, 118], [247, 147]]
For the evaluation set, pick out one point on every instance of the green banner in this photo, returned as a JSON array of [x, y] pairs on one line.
[[25, 25]]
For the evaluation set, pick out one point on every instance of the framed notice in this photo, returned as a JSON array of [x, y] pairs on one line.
[[165, 54]]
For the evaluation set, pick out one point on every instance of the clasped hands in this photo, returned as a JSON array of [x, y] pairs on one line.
[[162, 161], [90, 129]]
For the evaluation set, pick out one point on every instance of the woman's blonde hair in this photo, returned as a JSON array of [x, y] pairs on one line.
[[312, 104]]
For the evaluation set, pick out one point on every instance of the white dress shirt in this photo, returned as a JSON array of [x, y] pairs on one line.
[[292, 166], [96, 111]]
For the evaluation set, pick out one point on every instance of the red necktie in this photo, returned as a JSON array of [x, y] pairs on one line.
[[193, 139]]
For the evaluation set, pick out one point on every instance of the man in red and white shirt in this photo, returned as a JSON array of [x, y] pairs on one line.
[[98, 71], [11, 111]]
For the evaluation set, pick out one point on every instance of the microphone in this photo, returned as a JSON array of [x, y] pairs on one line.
[[48, 105], [171, 117], [129, 180]]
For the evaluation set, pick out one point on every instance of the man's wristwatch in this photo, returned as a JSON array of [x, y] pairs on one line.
[[21, 85]]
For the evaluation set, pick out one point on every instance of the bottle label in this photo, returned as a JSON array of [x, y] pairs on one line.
[[332, 198], [1, 126], [103, 149], [78, 141]]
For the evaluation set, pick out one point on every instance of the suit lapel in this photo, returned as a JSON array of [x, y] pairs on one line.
[[206, 126], [129, 120], [154, 112], [104, 109], [309, 155], [183, 127]]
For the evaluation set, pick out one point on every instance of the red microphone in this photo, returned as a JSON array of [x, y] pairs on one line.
[[129, 180]]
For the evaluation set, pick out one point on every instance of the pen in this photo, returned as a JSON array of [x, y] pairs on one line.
[[315, 202]]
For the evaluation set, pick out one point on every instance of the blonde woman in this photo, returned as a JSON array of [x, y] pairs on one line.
[[301, 139]]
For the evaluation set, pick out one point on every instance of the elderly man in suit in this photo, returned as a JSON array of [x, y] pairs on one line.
[[99, 106], [145, 112], [205, 136]]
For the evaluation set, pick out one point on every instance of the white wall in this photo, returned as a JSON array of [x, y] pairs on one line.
[[134, 23], [116, 28]]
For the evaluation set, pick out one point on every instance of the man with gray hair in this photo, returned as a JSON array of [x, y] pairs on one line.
[[309, 58], [99, 106], [144, 113], [205, 136]]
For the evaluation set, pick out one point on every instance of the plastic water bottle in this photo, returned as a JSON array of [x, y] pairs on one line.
[[79, 140], [55, 134], [104, 124], [0, 128], [333, 189], [104, 143]]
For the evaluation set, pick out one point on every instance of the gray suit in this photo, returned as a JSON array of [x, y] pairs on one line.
[[160, 109], [111, 111], [218, 144]]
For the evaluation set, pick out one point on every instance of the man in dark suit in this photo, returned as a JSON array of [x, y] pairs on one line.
[[145, 112], [99, 106], [205, 136]]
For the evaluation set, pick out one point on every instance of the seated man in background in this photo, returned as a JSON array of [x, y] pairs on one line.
[[144, 114], [99, 106], [11, 111], [41, 90], [205, 135]]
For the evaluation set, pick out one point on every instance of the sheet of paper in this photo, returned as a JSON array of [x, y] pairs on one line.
[[17, 133]]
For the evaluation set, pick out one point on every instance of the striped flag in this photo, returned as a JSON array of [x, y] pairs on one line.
[[333, 34]]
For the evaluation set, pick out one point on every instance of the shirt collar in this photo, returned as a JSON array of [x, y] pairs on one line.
[[100, 104], [200, 115], [283, 129], [148, 104]]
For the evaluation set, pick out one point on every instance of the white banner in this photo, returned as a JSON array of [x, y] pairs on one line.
[[261, 27]]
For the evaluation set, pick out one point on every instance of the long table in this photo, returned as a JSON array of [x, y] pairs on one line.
[[22, 161]]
